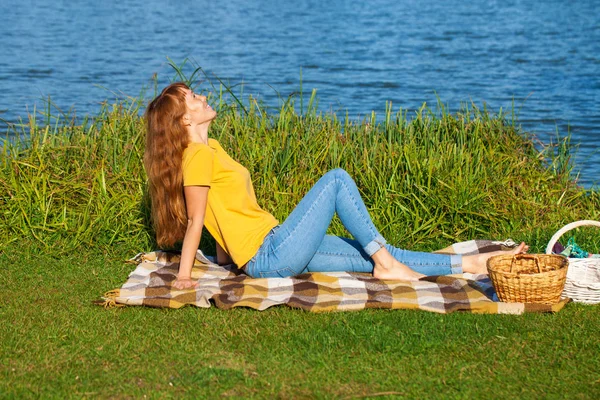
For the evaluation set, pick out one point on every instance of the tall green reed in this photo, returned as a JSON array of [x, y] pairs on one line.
[[67, 185]]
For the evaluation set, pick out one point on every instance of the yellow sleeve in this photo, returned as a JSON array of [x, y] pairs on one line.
[[198, 167]]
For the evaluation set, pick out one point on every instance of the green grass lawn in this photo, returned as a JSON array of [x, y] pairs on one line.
[[57, 344]]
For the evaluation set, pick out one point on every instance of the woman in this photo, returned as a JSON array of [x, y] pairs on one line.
[[194, 183]]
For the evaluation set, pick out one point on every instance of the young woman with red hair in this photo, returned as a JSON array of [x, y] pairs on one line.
[[193, 182]]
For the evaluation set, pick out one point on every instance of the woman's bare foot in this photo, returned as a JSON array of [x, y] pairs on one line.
[[397, 271], [477, 263], [387, 267]]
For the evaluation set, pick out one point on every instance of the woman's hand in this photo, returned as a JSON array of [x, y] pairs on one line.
[[185, 283]]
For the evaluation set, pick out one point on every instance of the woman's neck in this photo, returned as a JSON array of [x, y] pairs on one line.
[[199, 133]]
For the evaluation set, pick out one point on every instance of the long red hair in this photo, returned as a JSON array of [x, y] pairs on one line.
[[166, 139]]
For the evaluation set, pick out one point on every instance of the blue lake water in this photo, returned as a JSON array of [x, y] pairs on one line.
[[541, 56]]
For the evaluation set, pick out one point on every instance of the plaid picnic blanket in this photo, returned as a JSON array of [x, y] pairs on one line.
[[150, 285]]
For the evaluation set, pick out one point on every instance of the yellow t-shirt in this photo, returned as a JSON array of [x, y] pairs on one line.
[[233, 217]]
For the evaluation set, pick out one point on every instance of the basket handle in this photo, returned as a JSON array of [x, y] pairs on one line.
[[566, 229], [525, 257]]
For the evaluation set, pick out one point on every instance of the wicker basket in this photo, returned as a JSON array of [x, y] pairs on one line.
[[528, 278], [583, 277]]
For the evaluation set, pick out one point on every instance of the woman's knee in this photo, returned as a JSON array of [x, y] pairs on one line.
[[338, 174]]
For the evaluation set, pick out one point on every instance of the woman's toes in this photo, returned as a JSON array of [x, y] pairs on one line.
[[522, 248]]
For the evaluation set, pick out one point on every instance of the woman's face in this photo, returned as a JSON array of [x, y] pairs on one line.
[[198, 109]]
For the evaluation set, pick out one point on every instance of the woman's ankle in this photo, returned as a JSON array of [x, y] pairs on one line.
[[383, 258], [474, 264]]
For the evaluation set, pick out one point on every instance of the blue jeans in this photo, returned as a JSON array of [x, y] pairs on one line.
[[301, 244]]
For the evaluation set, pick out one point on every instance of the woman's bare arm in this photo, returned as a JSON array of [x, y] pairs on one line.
[[196, 198]]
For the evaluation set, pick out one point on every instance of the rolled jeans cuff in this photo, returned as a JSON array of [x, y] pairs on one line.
[[375, 245], [456, 264]]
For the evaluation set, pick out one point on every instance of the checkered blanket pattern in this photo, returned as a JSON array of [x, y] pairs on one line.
[[150, 285]]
